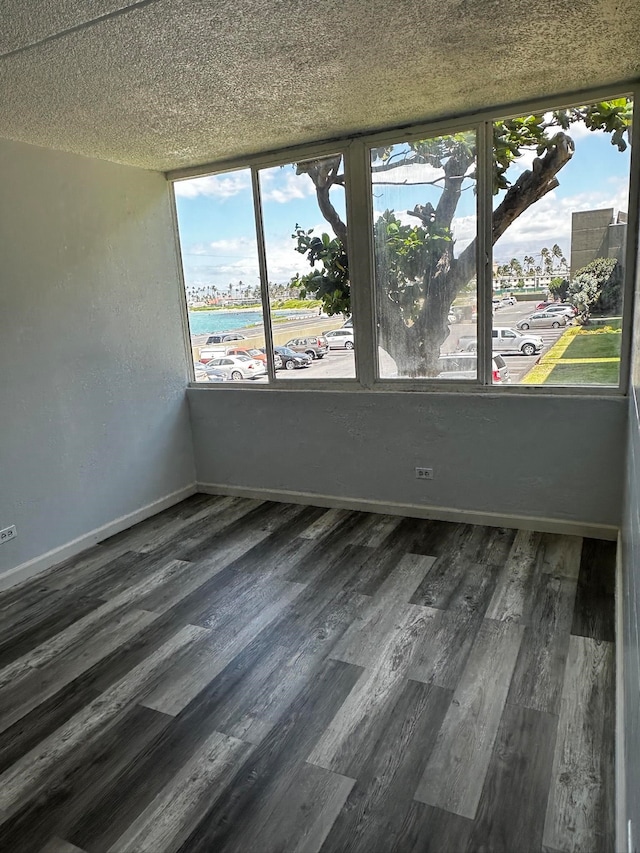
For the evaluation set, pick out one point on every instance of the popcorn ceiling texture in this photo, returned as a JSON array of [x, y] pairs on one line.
[[165, 84]]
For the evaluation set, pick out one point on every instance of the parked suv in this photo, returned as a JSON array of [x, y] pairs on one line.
[[504, 340], [315, 347], [224, 337], [465, 366], [339, 338]]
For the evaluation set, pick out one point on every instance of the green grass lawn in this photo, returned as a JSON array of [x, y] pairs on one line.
[[597, 373], [600, 345]]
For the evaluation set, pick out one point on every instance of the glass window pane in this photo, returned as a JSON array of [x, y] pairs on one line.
[[305, 227], [220, 262], [561, 184], [424, 220]]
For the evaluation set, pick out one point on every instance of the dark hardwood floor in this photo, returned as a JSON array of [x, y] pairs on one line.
[[236, 675]]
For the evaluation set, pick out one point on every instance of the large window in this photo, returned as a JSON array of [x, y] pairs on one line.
[[490, 253], [302, 228], [560, 211], [424, 212], [221, 276], [304, 216]]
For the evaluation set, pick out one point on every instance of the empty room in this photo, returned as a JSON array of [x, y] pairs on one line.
[[320, 434]]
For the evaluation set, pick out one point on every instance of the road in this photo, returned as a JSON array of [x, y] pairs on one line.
[[340, 364]]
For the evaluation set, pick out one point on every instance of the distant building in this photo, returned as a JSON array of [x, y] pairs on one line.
[[597, 234]]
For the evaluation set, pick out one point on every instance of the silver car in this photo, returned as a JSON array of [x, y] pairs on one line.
[[237, 367], [543, 320], [465, 366], [568, 310], [339, 338]]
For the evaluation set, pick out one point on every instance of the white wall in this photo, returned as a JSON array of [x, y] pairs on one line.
[[556, 458], [94, 420]]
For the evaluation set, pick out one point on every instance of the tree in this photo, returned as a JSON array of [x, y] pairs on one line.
[[559, 288], [597, 286], [417, 271]]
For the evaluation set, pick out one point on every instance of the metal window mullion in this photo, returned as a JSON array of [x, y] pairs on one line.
[[360, 253], [264, 275], [184, 308], [631, 250], [484, 254]]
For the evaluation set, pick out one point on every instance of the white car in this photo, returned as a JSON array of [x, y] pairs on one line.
[[237, 367], [339, 338]]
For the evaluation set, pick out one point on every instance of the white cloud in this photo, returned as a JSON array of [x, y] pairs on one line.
[[549, 221], [235, 246], [214, 186], [415, 173], [293, 186]]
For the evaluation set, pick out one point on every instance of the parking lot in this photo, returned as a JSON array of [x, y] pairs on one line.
[[340, 364]]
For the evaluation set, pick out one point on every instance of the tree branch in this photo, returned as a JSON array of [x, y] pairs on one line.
[[532, 185], [324, 174]]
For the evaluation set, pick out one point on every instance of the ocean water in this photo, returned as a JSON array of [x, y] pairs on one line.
[[207, 322]]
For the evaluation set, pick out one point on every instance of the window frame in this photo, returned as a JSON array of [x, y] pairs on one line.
[[358, 201]]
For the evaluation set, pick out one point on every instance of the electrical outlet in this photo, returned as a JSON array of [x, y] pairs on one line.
[[7, 534], [424, 473]]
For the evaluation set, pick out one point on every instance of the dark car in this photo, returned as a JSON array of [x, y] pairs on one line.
[[224, 337], [277, 361], [292, 360]]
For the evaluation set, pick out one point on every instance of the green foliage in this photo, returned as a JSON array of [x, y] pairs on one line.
[[285, 304], [559, 288], [407, 257], [513, 136], [434, 152], [330, 282], [597, 286]]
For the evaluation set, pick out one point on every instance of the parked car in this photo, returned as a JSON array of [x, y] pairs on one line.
[[314, 347], [543, 320], [561, 308], [509, 300], [207, 353], [348, 324], [199, 372], [542, 305], [465, 366], [254, 352], [504, 340], [224, 337], [237, 367], [277, 361], [291, 360], [215, 374], [339, 338]]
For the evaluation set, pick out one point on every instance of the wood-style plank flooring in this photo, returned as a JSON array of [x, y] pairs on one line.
[[237, 675]]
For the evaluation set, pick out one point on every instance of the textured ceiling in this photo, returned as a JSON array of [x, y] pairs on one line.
[[165, 84]]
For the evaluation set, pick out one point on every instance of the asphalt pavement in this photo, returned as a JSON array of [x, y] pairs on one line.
[[340, 364]]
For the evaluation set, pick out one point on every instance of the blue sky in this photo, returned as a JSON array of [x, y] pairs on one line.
[[216, 219]]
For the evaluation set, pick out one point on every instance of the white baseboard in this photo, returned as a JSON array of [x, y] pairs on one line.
[[57, 555], [438, 513]]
